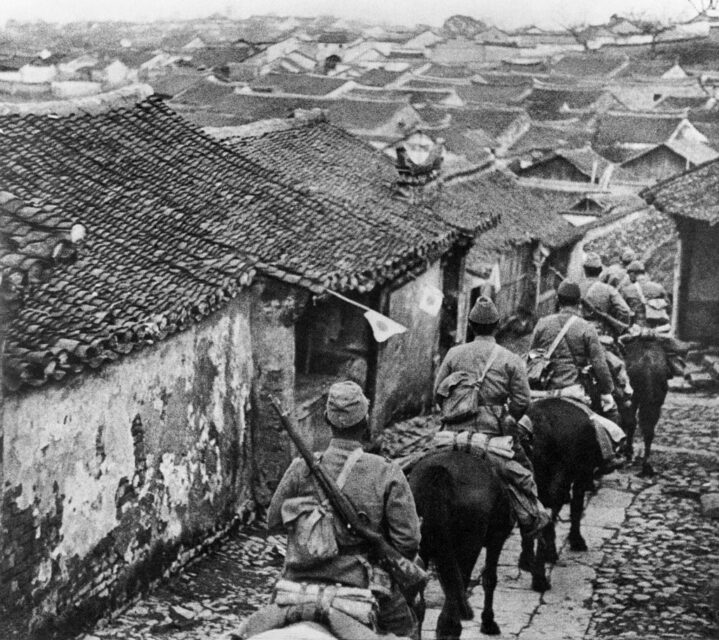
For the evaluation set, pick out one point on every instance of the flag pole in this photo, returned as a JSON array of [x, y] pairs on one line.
[[346, 299]]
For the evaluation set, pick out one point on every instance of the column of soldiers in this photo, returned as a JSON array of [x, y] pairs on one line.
[[604, 300]]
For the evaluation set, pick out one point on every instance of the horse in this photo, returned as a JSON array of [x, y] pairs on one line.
[[564, 454], [648, 370], [464, 507]]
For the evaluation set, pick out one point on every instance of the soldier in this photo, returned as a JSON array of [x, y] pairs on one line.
[[616, 274], [580, 348], [375, 486], [649, 303], [505, 395], [601, 298], [639, 291]]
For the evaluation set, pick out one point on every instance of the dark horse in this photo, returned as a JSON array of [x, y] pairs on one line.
[[464, 507], [649, 371], [565, 454]]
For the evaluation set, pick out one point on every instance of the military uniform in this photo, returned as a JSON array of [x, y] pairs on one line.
[[609, 301], [505, 382], [376, 487], [649, 289], [604, 298], [614, 275], [504, 385], [580, 347]]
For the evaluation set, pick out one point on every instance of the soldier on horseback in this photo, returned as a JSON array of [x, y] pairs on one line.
[[615, 274], [504, 397], [649, 303], [379, 490], [575, 352], [601, 303]]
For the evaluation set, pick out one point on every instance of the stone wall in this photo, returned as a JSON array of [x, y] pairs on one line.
[[406, 362], [116, 475]]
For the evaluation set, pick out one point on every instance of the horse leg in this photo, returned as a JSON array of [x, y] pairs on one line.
[[630, 428], [489, 584], [648, 418], [576, 508], [526, 557]]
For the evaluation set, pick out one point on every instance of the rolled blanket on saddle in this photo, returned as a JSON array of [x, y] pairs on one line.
[[478, 444], [349, 612]]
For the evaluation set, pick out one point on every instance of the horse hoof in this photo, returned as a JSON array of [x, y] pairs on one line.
[[490, 628], [577, 544], [541, 584], [647, 471]]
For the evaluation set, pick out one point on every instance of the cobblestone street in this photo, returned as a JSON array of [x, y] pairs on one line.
[[652, 569]]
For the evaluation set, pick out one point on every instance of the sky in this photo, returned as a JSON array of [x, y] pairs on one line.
[[505, 14]]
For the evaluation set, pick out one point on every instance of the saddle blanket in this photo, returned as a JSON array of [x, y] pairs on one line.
[[359, 604], [477, 443]]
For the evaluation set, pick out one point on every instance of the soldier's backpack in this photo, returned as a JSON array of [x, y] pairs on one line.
[[312, 538], [461, 391], [539, 361]]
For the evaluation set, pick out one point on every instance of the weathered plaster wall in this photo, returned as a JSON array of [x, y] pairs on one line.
[[699, 304], [110, 478], [406, 362], [275, 309]]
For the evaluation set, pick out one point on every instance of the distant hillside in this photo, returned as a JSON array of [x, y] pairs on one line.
[[463, 26]]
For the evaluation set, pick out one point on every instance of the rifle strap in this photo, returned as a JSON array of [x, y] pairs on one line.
[[560, 336], [348, 466]]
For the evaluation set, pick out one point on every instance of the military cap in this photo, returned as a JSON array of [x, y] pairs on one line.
[[346, 405], [636, 266], [593, 261], [484, 311], [569, 291], [628, 255]]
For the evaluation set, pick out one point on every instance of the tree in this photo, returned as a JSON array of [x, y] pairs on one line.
[[653, 27], [582, 33]]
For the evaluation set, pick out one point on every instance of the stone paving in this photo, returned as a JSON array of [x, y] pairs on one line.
[[652, 569]]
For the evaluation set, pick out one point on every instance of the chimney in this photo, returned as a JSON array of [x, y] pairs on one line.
[[413, 176]]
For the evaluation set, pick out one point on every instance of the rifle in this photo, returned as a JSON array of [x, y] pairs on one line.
[[408, 576], [618, 326]]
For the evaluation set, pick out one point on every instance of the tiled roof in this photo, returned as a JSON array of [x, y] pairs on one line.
[[693, 194], [378, 77], [588, 64], [355, 115], [205, 93], [398, 94], [526, 214], [301, 84], [374, 234], [547, 104], [675, 103], [542, 137], [493, 93], [494, 121], [616, 128], [173, 83], [585, 159], [176, 222], [695, 152], [448, 71], [646, 68]]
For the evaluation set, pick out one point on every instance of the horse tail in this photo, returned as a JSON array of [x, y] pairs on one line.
[[650, 390], [435, 494]]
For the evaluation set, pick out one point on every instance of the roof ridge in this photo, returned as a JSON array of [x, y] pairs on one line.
[[303, 118], [99, 103]]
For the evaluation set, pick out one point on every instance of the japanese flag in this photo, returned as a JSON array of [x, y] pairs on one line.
[[382, 327], [430, 300]]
